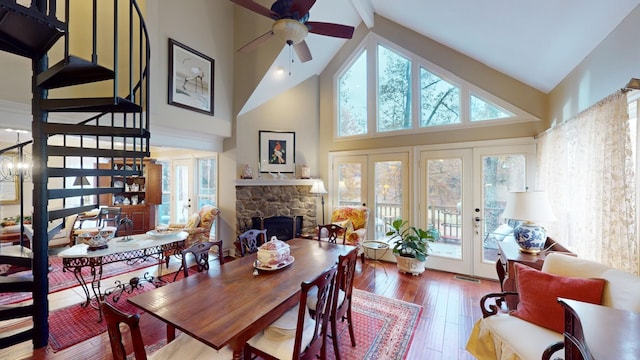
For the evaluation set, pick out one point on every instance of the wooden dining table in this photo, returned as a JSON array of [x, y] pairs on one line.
[[228, 305]]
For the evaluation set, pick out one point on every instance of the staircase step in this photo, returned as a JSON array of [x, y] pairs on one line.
[[100, 105], [93, 130], [23, 261], [26, 32], [17, 338], [90, 152], [61, 213], [62, 172], [11, 284], [73, 71], [65, 193], [8, 312]]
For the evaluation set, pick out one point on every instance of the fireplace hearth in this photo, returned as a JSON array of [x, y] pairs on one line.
[[287, 201]]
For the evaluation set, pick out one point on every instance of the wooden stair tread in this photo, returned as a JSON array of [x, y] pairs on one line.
[[73, 71], [99, 105]]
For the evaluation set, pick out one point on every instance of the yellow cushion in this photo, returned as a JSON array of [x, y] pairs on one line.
[[193, 221], [207, 214]]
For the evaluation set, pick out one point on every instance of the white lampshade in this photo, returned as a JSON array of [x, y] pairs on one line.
[[530, 206], [289, 31], [318, 188]]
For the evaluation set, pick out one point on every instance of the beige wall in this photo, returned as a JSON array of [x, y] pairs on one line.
[[204, 26], [294, 110], [605, 70]]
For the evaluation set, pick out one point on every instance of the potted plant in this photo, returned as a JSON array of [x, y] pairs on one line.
[[410, 245]]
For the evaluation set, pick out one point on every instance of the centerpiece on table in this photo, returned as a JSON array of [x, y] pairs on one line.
[[410, 245]]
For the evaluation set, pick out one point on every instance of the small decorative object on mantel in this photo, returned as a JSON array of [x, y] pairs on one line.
[[305, 172], [247, 172]]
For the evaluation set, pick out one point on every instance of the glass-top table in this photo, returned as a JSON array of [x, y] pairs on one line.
[[120, 249]]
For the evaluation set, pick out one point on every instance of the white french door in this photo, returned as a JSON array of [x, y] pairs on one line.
[[500, 170], [463, 193], [445, 189], [381, 181], [182, 190]]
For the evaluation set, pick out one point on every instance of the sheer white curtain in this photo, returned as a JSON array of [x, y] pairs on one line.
[[587, 166]]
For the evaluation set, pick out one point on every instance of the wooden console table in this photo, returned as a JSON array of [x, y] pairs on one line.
[[596, 332], [509, 254]]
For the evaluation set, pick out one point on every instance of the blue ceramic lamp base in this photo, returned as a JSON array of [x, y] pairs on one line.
[[530, 237]]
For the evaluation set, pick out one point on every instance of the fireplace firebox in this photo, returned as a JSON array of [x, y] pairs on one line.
[[282, 227]]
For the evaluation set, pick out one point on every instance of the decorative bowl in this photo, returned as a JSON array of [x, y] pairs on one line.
[[96, 239]]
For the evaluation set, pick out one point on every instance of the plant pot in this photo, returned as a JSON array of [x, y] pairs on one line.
[[409, 265]]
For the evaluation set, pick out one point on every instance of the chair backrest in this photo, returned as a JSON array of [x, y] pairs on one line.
[[208, 214], [200, 252], [344, 282], [108, 216], [333, 232], [325, 284], [250, 240], [114, 317]]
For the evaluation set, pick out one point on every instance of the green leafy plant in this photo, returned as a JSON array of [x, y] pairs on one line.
[[411, 241]]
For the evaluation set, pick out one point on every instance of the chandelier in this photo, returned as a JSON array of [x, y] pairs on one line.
[[15, 162]]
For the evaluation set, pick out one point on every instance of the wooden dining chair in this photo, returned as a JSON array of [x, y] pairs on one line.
[[298, 337], [200, 252], [250, 240], [334, 232], [184, 347], [341, 303]]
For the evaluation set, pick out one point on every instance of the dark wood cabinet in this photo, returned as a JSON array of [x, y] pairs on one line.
[[143, 217], [140, 195]]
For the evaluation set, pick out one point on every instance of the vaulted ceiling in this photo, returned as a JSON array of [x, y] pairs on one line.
[[536, 42]]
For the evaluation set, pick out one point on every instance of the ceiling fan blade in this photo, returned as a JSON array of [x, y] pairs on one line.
[[257, 8], [256, 42], [329, 29], [302, 7], [302, 50]]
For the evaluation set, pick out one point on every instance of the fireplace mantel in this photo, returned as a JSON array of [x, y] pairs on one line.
[[274, 182]]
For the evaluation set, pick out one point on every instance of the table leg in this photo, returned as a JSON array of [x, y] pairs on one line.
[[238, 348], [96, 276]]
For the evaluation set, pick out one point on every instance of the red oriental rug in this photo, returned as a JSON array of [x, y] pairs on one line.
[[383, 327], [73, 324], [62, 280]]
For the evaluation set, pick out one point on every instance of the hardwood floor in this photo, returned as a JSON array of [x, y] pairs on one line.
[[450, 308]]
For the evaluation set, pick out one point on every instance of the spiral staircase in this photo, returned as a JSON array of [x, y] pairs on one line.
[[113, 101]]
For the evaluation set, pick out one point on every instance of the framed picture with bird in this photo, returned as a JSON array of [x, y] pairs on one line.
[[190, 78], [277, 151]]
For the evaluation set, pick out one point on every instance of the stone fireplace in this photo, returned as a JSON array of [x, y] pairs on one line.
[[265, 198]]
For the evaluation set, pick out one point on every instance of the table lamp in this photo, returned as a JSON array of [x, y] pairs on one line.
[[318, 188], [530, 207]]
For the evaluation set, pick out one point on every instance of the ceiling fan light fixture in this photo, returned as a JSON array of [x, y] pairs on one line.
[[290, 31]]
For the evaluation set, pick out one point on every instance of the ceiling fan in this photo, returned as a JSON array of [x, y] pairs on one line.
[[292, 26]]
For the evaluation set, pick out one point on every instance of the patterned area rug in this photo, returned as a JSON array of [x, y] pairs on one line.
[[61, 280], [73, 324], [383, 327]]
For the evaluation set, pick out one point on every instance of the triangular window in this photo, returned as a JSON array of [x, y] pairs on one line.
[[482, 110]]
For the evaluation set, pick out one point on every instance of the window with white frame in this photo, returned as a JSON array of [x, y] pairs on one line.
[[352, 85], [411, 94]]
